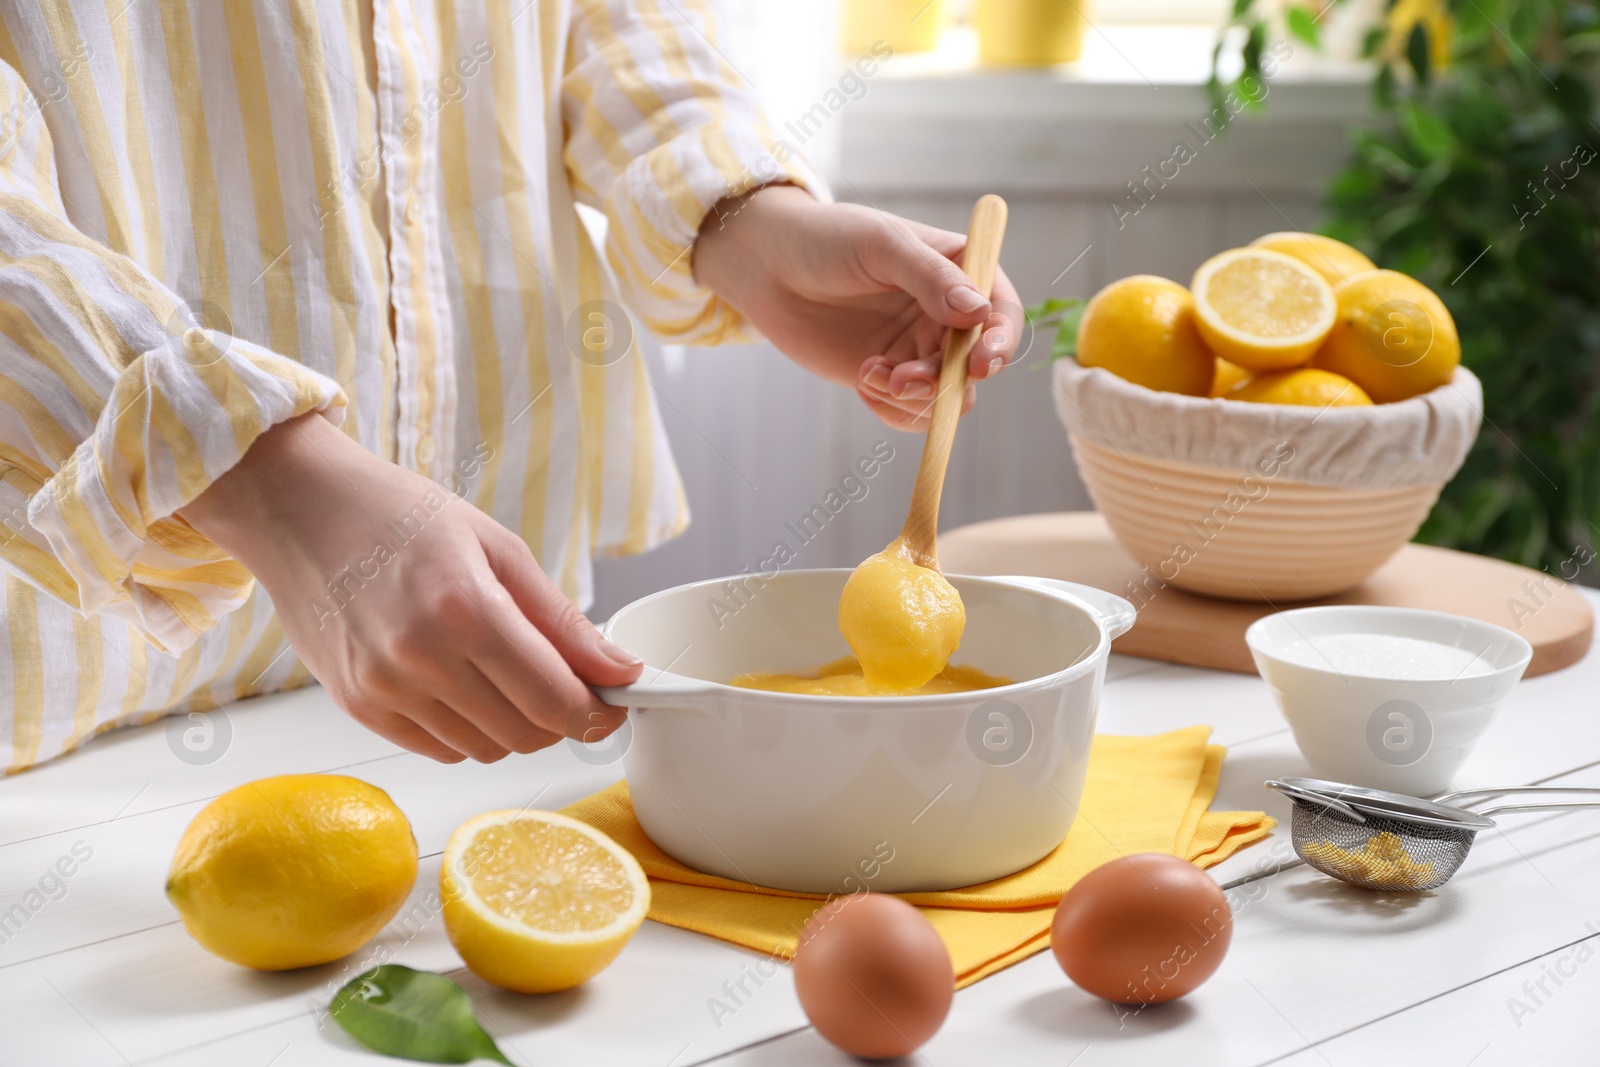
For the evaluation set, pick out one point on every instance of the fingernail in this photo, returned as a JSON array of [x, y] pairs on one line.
[[965, 299], [619, 655], [997, 340], [878, 378], [915, 391], [996, 365]]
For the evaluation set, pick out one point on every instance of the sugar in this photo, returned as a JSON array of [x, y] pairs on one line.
[[1387, 656]]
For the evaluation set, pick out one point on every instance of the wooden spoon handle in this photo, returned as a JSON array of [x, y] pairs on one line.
[[981, 259]]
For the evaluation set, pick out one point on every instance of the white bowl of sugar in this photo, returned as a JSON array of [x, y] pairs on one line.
[[1391, 698]]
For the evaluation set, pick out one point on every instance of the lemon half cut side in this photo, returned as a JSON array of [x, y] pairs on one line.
[[538, 902], [1261, 309]]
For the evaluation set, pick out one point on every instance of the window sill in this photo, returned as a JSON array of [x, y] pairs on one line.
[[937, 121]]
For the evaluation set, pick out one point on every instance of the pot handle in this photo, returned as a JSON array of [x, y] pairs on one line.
[[655, 689], [1115, 614]]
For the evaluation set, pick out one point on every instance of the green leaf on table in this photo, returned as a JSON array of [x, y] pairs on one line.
[[1241, 6], [1304, 26], [413, 1015]]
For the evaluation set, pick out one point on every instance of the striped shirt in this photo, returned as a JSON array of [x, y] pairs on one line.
[[216, 215]]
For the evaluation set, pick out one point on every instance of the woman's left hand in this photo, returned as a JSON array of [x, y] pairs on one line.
[[855, 295]]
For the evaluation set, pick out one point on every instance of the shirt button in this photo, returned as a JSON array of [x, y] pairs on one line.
[[425, 449]]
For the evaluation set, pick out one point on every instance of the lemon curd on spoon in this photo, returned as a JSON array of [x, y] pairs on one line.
[[899, 614], [902, 619]]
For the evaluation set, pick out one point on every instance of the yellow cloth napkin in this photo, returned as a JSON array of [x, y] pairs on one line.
[[1143, 794]]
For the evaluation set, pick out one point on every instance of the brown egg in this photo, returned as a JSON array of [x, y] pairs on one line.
[[1142, 929], [873, 975]]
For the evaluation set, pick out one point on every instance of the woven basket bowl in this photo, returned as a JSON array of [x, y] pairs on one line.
[[1275, 540]]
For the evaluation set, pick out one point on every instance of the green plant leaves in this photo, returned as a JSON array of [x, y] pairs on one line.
[[414, 1015], [1526, 23], [1304, 26], [1417, 53], [1064, 315], [1482, 179], [1426, 131], [1372, 40]]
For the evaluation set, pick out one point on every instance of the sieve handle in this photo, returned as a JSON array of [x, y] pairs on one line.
[[1502, 809], [1486, 794]]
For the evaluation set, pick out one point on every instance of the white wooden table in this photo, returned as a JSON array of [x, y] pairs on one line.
[[1501, 966]]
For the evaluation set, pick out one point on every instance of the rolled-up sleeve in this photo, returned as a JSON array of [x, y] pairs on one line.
[[659, 128], [116, 410]]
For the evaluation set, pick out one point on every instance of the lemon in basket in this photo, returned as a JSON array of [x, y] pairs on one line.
[[1334, 260], [1393, 337], [1228, 377], [293, 871], [1142, 329], [538, 902], [1261, 309], [1303, 386]]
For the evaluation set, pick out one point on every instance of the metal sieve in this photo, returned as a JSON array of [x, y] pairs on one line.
[[1393, 842]]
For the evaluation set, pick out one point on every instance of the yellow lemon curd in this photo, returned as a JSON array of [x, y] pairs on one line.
[[901, 619], [845, 678], [1382, 859]]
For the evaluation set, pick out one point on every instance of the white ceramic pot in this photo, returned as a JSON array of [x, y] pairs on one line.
[[843, 794], [1363, 726]]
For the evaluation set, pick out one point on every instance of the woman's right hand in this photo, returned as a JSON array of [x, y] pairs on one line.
[[429, 623]]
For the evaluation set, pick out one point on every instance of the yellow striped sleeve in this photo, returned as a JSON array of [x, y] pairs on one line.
[[660, 127], [116, 411]]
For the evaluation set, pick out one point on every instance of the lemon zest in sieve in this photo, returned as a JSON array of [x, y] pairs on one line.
[[1382, 860]]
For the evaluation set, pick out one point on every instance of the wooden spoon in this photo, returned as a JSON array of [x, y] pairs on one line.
[[920, 533], [900, 616]]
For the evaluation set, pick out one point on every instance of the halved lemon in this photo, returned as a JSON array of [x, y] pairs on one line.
[[538, 902], [1262, 309], [1334, 260]]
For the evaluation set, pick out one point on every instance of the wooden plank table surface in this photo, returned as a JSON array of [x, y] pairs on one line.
[[1501, 966]]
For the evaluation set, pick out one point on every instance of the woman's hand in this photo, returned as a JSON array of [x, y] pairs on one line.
[[430, 623], [855, 295]]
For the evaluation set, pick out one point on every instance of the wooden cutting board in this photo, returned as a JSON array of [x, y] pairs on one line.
[[1201, 631]]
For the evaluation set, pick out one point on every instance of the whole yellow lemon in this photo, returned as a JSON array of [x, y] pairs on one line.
[[1334, 260], [1392, 336], [1229, 376], [1143, 329], [1305, 386], [292, 871]]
